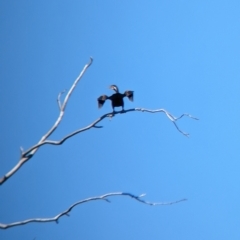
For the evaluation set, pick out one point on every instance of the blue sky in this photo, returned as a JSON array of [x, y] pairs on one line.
[[183, 56]]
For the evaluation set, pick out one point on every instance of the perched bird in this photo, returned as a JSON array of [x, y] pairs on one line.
[[116, 98]]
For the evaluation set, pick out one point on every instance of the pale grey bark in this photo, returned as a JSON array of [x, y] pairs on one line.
[[102, 197], [27, 155]]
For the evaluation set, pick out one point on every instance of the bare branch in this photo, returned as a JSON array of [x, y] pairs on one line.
[[170, 116], [102, 197], [94, 125], [27, 155], [30, 152]]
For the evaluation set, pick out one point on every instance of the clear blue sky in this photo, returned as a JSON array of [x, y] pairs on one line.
[[183, 56]]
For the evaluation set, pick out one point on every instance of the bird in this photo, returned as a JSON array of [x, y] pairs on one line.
[[116, 98]]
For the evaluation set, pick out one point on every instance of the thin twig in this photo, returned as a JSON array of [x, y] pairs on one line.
[[171, 117], [25, 157], [102, 197], [59, 99]]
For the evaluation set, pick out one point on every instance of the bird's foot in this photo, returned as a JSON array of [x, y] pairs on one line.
[[112, 113]]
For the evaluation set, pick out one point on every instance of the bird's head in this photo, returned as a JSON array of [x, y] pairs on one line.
[[114, 88]]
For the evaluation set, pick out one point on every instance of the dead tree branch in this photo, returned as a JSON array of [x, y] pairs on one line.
[[102, 197], [94, 125], [26, 156]]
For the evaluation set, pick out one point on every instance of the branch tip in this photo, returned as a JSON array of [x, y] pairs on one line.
[[21, 151], [98, 126], [59, 99]]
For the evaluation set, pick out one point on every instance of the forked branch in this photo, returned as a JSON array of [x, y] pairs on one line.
[[110, 115], [28, 154], [25, 156], [102, 197]]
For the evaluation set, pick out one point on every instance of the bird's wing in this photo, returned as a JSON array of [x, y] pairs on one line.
[[101, 100], [129, 94]]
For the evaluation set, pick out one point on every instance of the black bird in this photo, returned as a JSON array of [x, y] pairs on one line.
[[116, 98]]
